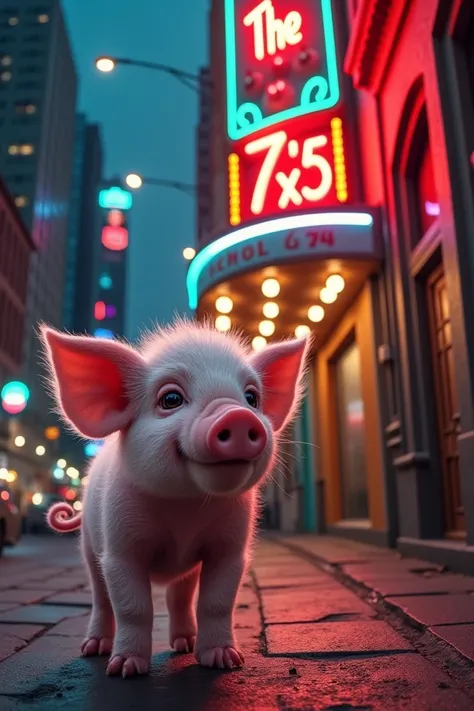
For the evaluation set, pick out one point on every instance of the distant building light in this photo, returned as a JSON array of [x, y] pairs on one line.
[[110, 311], [105, 281], [103, 333], [5, 76], [114, 238], [13, 21], [43, 19], [91, 448], [5, 60], [115, 197], [58, 473], [21, 201]]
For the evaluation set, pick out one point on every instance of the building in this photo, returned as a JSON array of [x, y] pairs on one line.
[[16, 247], [421, 120], [82, 270], [345, 153], [203, 160], [37, 117]]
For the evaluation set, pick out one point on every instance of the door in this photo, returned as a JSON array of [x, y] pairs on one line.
[[446, 400], [351, 435]]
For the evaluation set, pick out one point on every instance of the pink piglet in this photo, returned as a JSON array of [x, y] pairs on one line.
[[190, 420]]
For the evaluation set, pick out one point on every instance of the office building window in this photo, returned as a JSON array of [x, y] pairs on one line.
[[5, 76], [25, 107], [43, 18], [22, 149], [21, 201], [5, 60]]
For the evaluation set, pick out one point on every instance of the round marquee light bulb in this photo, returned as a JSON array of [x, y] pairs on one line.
[[20, 441], [266, 328], [189, 253], [316, 313], [223, 323], [224, 304], [271, 309], [61, 463], [270, 288], [336, 283], [327, 296], [302, 331], [259, 343], [40, 450], [134, 181]]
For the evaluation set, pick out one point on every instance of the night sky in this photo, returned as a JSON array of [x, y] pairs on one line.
[[148, 122]]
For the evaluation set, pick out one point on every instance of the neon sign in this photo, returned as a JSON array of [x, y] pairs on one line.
[[288, 170], [280, 62], [115, 234], [14, 397], [270, 33], [115, 198], [358, 224]]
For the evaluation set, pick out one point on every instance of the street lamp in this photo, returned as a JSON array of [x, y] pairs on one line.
[[108, 64], [136, 181], [189, 253]]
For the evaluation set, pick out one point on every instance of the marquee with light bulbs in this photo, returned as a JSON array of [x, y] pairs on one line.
[[290, 162]]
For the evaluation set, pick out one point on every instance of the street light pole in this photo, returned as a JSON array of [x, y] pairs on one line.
[[136, 181], [108, 64]]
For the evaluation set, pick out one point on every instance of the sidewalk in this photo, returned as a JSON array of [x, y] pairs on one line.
[[311, 644], [421, 593]]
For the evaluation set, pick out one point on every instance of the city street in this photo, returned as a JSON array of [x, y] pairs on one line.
[[324, 624]]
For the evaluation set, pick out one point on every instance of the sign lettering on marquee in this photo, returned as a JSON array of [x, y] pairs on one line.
[[270, 33]]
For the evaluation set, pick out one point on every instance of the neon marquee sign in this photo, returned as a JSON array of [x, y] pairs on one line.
[[288, 169], [356, 237], [280, 62]]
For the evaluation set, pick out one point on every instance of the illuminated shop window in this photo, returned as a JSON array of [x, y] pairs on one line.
[[427, 199]]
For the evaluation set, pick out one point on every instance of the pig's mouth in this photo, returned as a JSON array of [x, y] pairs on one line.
[[181, 454]]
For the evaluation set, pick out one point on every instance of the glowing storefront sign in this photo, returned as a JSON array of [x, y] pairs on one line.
[[294, 237], [280, 62], [289, 169]]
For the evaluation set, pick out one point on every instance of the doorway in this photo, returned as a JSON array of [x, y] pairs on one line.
[[351, 435], [447, 409]]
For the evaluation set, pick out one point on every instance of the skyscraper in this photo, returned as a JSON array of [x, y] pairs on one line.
[[37, 118], [83, 249], [203, 158]]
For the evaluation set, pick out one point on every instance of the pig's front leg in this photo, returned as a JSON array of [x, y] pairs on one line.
[[129, 587], [219, 584]]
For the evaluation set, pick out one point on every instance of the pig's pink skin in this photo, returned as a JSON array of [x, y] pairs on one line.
[[158, 507]]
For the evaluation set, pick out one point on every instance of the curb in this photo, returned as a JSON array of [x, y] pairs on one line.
[[369, 593]]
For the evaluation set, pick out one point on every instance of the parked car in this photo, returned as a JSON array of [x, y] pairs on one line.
[[35, 519], [10, 520]]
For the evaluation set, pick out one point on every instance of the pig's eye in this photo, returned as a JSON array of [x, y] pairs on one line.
[[171, 400], [252, 398]]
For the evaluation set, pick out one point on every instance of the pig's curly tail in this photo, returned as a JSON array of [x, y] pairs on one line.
[[63, 519]]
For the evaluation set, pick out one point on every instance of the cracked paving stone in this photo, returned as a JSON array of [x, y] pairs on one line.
[[460, 636], [40, 614], [398, 683], [310, 605], [334, 638], [15, 637], [432, 610]]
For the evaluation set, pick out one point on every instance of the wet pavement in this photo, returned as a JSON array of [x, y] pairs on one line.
[[324, 624]]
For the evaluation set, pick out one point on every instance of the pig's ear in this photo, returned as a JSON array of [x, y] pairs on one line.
[[281, 367], [92, 380]]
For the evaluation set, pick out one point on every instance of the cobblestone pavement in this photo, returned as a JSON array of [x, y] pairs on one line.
[[315, 637]]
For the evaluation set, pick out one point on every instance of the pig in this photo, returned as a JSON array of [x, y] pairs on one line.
[[190, 420]]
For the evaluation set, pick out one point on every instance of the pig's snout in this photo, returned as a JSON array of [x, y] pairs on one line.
[[236, 434]]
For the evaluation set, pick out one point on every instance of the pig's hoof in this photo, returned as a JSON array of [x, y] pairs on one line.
[[96, 645], [184, 645], [127, 666], [220, 658]]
